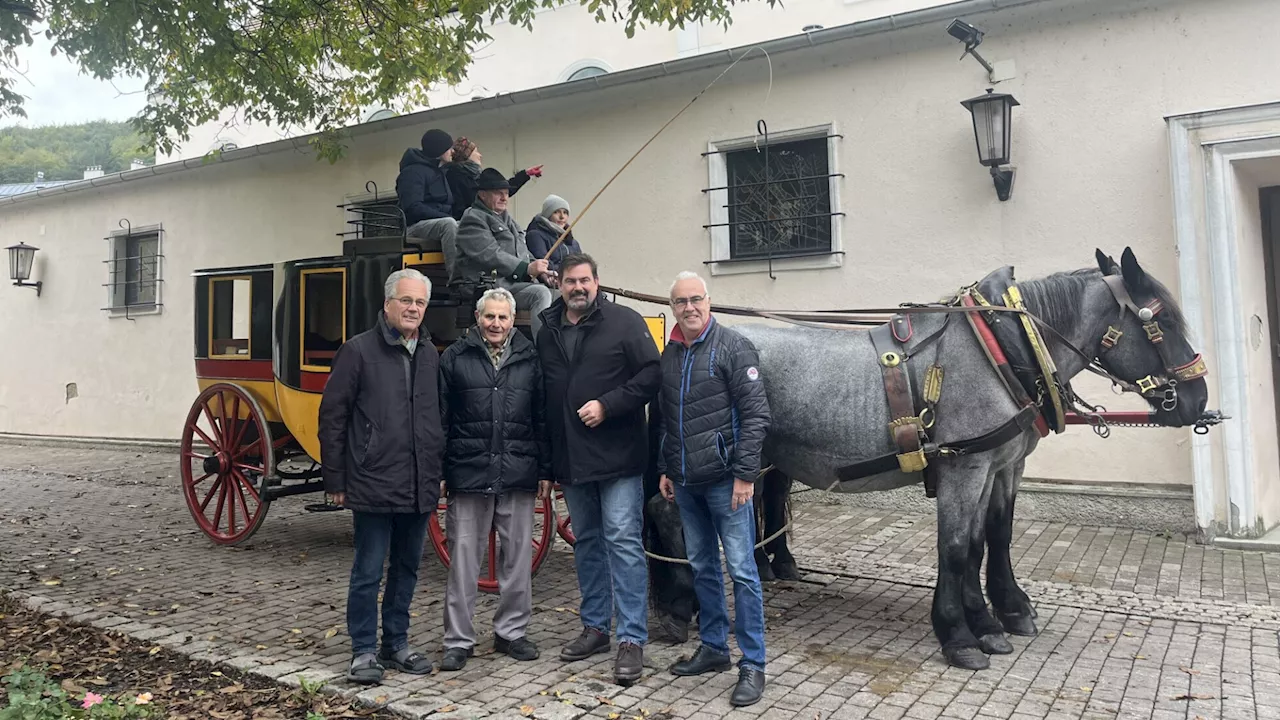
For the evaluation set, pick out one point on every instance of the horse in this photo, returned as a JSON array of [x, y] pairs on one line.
[[827, 396]]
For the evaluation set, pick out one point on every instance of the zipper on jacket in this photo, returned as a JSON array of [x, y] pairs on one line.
[[686, 373]]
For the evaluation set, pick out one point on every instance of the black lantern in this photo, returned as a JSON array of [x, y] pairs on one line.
[[21, 257], [992, 130]]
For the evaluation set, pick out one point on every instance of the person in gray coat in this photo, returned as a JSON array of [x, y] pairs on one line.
[[491, 245]]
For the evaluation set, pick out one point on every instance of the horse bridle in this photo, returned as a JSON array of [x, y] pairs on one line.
[[1164, 387]]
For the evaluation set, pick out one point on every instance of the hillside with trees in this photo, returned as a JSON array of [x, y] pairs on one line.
[[62, 152]]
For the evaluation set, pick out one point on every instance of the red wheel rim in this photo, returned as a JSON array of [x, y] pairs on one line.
[[544, 528], [562, 519], [226, 455]]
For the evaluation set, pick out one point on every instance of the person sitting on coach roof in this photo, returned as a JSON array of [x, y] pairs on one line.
[[491, 243]]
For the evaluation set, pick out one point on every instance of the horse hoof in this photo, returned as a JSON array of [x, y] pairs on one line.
[[672, 630], [968, 658], [785, 570], [766, 572], [994, 644], [1019, 625]]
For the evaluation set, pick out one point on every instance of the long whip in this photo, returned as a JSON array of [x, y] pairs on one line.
[[687, 105]]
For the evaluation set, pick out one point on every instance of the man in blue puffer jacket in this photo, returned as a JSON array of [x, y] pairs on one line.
[[714, 419]]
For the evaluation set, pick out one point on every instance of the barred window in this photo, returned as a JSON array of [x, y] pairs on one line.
[[773, 201], [135, 270], [779, 200]]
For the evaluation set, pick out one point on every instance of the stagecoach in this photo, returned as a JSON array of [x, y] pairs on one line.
[[265, 339]]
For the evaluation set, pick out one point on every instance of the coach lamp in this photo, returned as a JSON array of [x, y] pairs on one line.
[[21, 257], [992, 128]]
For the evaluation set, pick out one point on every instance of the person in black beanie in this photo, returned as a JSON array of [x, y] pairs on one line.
[[422, 191]]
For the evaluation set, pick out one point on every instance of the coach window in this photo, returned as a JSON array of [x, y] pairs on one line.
[[324, 309], [229, 303]]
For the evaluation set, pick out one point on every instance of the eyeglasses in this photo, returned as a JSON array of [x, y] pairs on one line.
[[407, 301], [681, 302]]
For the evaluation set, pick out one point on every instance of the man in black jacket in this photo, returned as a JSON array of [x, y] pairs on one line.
[[496, 458], [715, 416], [423, 193], [601, 369], [380, 446]]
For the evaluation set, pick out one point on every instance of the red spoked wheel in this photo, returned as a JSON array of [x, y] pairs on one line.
[[226, 456], [563, 527], [544, 528]]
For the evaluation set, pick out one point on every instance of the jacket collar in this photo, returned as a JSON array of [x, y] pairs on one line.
[[390, 335], [553, 316], [677, 334]]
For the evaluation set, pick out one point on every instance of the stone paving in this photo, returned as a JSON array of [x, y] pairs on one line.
[[1133, 624]]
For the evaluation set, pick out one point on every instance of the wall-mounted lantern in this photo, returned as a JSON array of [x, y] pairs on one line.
[[21, 257], [992, 129]]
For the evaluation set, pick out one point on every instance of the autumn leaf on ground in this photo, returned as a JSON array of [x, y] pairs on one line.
[[154, 650], [1189, 671], [330, 632], [1194, 696], [526, 710]]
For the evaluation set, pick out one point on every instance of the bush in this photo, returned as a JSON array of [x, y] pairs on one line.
[[33, 696]]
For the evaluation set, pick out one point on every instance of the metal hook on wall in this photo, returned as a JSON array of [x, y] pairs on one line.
[[762, 129], [374, 185]]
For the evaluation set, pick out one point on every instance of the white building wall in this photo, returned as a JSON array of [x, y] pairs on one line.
[[1095, 82]]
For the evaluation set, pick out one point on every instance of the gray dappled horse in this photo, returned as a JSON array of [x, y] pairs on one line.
[[827, 399]]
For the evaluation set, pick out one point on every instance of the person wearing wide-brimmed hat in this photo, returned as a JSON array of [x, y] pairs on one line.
[[491, 244], [422, 190]]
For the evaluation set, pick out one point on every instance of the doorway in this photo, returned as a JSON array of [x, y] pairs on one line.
[[1269, 203]]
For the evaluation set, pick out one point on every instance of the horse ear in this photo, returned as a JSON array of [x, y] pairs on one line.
[[1106, 263], [1134, 276]]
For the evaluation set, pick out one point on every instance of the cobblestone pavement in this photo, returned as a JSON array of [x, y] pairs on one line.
[[1133, 624]]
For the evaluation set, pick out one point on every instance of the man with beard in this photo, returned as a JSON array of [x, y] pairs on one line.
[[714, 419], [491, 244], [601, 369]]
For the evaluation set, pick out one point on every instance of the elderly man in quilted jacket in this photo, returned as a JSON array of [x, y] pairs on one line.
[[715, 417], [496, 458], [491, 244]]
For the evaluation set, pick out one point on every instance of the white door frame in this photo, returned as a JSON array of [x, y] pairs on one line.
[[1203, 150]]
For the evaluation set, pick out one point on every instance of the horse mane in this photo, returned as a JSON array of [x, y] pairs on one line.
[[1055, 299]]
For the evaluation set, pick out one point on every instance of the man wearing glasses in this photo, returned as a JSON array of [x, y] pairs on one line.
[[381, 445], [714, 420]]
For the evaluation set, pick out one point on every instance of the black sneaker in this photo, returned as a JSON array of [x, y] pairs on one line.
[[590, 642], [705, 660], [520, 648], [455, 659]]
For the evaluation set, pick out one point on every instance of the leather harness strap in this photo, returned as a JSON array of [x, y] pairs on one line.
[[905, 427]]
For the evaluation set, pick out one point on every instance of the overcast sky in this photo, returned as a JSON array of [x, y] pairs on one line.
[[59, 94]]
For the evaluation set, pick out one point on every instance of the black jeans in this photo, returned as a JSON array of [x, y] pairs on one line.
[[376, 534]]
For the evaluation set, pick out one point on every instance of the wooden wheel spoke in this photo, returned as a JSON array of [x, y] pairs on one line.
[[253, 468], [281, 442], [243, 481], [200, 479], [222, 499], [213, 426], [204, 504], [239, 435], [247, 516], [245, 449], [231, 508], [213, 445]]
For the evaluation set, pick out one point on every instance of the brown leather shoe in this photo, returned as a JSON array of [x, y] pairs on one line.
[[630, 663], [590, 642]]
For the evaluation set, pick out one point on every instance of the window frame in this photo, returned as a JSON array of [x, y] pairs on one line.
[[117, 305], [302, 311], [213, 283], [722, 261]]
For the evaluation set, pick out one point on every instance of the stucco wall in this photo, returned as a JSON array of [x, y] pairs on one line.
[[922, 216]]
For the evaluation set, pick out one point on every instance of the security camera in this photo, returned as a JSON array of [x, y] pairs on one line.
[[971, 37], [965, 33]]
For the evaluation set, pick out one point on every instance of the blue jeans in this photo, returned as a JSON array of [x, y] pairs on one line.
[[607, 520], [376, 534], [705, 514]]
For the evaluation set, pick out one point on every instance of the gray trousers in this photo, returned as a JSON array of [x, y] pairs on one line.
[[467, 523], [534, 297], [436, 231]]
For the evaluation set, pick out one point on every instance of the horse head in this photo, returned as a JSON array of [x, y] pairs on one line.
[[1147, 345]]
